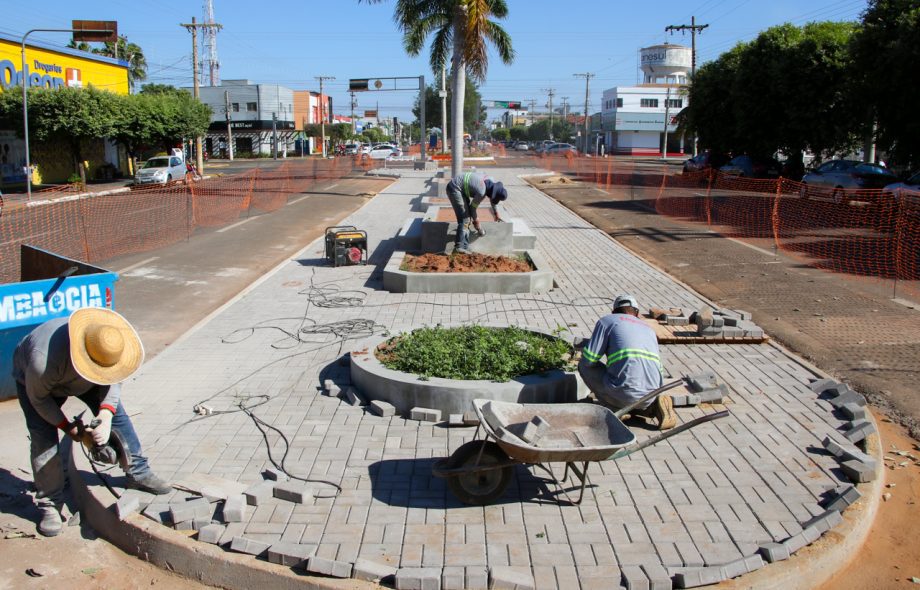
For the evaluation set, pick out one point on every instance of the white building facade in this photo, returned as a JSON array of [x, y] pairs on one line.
[[633, 117], [258, 115]]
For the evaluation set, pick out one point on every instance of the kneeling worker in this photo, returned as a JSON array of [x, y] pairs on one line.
[[86, 355], [633, 363], [466, 191]]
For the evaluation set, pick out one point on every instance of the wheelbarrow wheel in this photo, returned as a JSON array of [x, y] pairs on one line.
[[478, 488]]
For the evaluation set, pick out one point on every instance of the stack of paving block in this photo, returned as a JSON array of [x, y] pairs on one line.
[[725, 323], [673, 316], [858, 466], [703, 388]]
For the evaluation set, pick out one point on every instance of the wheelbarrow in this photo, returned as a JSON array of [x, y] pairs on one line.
[[576, 434]]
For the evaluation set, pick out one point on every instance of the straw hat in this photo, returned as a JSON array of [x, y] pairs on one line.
[[104, 348]]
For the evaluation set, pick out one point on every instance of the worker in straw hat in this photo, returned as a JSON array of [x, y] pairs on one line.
[[631, 365], [86, 356]]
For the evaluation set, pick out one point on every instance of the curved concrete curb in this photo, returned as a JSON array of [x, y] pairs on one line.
[[172, 551], [453, 396], [812, 566]]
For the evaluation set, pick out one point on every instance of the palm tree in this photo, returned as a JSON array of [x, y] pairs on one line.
[[461, 29], [129, 52]]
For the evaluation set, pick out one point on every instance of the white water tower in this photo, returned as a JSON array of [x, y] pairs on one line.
[[666, 64]]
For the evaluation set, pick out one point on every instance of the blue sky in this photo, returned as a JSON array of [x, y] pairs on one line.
[[291, 42]]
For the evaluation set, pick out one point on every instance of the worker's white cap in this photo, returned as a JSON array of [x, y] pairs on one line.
[[624, 301]]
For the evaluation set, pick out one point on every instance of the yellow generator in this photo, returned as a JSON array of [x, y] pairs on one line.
[[346, 245]]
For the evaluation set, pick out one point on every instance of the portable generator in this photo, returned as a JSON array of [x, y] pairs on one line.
[[346, 245]]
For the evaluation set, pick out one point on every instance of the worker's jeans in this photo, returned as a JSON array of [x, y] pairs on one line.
[[615, 397], [461, 207], [47, 466]]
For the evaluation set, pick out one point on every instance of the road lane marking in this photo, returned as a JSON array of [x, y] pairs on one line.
[[332, 186], [237, 224], [137, 264], [297, 200]]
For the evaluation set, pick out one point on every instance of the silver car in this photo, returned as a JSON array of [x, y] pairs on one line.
[[160, 170], [840, 178]]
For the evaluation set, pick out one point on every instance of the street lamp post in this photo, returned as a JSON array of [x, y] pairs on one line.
[[25, 94]]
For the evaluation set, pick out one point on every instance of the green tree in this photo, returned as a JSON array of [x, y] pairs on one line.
[[461, 29], [785, 91], [501, 134], [518, 132], [373, 135], [340, 132], [561, 130], [885, 55], [473, 110], [158, 119]]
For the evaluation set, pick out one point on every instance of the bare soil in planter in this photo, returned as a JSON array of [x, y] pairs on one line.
[[434, 262]]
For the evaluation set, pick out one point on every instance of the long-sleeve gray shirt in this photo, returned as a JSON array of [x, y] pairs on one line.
[[472, 185], [42, 364]]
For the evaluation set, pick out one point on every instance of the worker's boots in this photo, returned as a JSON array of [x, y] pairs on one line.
[[662, 411], [51, 523], [149, 483]]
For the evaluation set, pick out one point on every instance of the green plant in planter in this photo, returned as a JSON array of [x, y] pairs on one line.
[[474, 352]]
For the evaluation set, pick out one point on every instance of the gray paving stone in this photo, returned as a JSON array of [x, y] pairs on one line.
[[372, 571], [211, 533], [820, 385], [453, 577], [250, 546], [658, 578], [382, 408], [293, 491], [535, 430], [187, 511], [455, 420], [510, 578], [701, 576], [290, 554], [848, 397], [774, 552], [858, 472], [859, 430], [235, 509], [354, 398], [825, 521], [273, 474], [634, 578], [126, 506], [425, 414], [259, 493], [853, 411], [159, 512], [418, 578], [328, 567], [842, 500]]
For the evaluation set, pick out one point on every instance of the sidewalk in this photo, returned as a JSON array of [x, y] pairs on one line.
[[703, 498]]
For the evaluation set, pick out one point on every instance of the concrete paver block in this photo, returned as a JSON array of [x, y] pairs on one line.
[[418, 578], [425, 414], [773, 552], [126, 506], [850, 397], [190, 510], [859, 430], [293, 491], [701, 381], [634, 578], [509, 578], [334, 391], [382, 408], [714, 395], [453, 578], [535, 430], [159, 512], [250, 546], [329, 567], [853, 411], [290, 554], [235, 509], [836, 449], [701, 576], [843, 499], [820, 385], [273, 474], [824, 521], [471, 418], [455, 420], [742, 566], [857, 471], [354, 398], [258, 493], [682, 401], [211, 533], [371, 571], [658, 578]]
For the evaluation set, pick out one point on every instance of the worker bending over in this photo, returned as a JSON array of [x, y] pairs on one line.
[[633, 363], [466, 191]]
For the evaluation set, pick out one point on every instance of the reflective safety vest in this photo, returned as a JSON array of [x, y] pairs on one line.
[[631, 349]]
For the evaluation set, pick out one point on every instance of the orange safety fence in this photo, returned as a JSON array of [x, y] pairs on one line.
[[865, 233], [98, 227]]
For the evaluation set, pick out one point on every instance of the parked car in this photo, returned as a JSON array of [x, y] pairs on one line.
[[906, 194], [160, 170], [704, 162], [751, 167], [351, 149], [561, 149], [383, 151], [835, 177], [521, 146]]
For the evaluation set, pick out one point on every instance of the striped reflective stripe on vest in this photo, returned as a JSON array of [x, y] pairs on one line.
[[624, 353], [591, 355], [466, 184]]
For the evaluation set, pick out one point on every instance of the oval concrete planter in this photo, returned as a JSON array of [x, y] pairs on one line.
[[453, 396]]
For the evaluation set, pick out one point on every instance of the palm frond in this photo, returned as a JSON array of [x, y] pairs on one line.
[[502, 42], [440, 47]]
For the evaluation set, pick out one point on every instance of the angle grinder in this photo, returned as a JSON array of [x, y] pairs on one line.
[[113, 452]]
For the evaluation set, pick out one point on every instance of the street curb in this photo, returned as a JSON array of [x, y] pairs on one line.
[[165, 548]]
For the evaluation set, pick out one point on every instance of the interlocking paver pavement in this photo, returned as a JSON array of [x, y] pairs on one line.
[[706, 497]]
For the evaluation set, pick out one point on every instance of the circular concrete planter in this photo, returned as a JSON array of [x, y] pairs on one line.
[[453, 396]]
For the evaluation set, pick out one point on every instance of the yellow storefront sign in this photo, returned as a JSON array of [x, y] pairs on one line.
[[53, 68]]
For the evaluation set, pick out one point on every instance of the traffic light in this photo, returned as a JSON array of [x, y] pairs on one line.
[[357, 84]]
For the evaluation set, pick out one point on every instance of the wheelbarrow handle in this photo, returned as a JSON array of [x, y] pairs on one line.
[[657, 439], [648, 397]]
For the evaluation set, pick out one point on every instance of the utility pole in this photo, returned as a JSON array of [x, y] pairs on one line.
[[322, 109], [694, 29], [274, 136], [667, 117], [565, 109], [193, 29], [443, 94], [587, 76], [229, 130], [354, 124], [533, 107], [551, 92]]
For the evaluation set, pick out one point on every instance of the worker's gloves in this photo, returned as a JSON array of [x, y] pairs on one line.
[[479, 231], [73, 431], [103, 430]]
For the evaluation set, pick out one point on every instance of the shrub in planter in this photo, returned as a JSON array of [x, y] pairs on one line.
[[474, 352]]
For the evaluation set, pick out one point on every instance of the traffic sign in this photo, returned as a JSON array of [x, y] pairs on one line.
[[357, 84], [508, 104]]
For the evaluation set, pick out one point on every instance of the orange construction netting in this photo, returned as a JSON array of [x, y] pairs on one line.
[[94, 228], [859, 232]]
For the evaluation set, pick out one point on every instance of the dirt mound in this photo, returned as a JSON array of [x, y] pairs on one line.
[[433, 262]]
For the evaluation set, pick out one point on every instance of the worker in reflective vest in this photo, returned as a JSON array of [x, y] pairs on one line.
[[466, 191], [631, 365]]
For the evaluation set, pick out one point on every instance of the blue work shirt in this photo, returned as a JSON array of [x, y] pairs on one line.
[[631, 351]]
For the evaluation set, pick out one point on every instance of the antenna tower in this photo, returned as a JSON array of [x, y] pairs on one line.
[[210, 44]]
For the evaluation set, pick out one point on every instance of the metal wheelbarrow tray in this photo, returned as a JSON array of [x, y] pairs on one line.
[[576, 434]]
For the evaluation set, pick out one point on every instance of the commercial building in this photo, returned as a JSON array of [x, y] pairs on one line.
[[53, 67], [633, 117], [259, 115]]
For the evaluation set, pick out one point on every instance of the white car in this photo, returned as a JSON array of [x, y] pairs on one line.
[[160, 170], [383, 151]]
